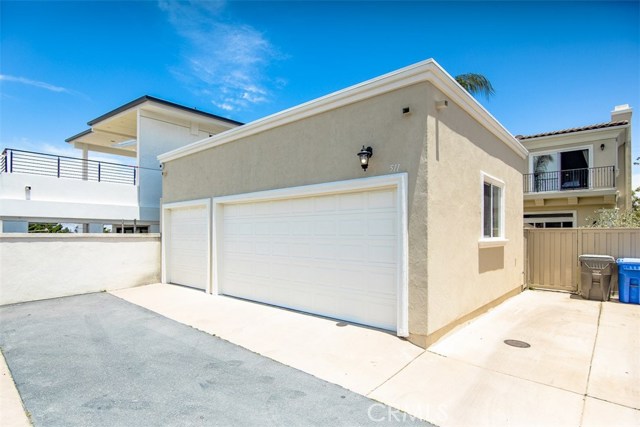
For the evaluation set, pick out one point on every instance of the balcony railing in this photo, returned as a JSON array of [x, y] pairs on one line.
[[570, 179], [28, 162]]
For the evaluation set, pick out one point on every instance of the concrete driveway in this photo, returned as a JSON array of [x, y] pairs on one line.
[[582, 367], [97, 360]]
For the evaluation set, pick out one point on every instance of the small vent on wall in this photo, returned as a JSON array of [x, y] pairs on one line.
[[442, 104]]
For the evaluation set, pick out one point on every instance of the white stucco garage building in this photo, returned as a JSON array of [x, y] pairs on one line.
[[280, 211]]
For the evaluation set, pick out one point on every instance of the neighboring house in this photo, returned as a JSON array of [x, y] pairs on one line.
[[280, 210], [38, 187], [575, 172]]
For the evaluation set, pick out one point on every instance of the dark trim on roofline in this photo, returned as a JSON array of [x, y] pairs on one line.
[[83, 133], [146, 98]]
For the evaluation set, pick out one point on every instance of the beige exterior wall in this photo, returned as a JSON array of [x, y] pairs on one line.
[[318, 149], [323, 148], [592, 140], [585, 203], [623, 179], [463, 277]]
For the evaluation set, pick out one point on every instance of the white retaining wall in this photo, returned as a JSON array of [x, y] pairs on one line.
[[41, 266]]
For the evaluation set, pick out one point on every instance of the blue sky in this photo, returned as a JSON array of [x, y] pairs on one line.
[[554, 65]]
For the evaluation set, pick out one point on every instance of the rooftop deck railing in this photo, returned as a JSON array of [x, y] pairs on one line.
[[570, 179], [29, 162]]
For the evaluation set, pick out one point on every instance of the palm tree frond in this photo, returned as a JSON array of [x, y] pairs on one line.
[[476, 84]]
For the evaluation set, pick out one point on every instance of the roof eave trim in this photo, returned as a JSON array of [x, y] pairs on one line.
[[78, 135], [577, 132], [146, 98], [425, 71]]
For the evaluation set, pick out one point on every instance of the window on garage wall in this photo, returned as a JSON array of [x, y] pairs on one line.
[[492, 208]]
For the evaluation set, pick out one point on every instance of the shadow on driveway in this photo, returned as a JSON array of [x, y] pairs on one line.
[[96, 360]]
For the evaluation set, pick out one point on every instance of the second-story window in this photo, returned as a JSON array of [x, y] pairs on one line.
[[560, 170]]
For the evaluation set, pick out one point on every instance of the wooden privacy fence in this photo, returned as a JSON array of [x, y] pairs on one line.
[[551, 255]]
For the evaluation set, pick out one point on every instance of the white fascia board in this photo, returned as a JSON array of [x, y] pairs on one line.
[[425, 71], [564, 194], [103, 149], [187, 204], [357, 184]]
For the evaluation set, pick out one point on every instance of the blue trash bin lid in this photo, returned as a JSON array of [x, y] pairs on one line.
[[628, 260]]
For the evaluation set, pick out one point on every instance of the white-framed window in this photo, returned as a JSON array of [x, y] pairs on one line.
[[493, 220], [559, 219], [560, 169]]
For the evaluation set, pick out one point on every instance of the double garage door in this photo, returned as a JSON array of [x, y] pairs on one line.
[[336, 255]]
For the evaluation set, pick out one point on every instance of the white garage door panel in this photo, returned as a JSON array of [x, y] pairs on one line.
[[333, 255], [188, 247]]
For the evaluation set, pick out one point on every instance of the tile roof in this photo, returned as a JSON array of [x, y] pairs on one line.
[[580, 129]]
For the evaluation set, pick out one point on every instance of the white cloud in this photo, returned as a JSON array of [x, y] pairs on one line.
[[26, 81], [39, 84], [224, 61], [224, 106]]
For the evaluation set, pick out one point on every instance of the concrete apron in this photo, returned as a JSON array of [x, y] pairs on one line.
[[582, 366], [11, 409]]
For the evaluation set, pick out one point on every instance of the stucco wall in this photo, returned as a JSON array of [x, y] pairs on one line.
[[462, 276], [623, 178], [613, 154], [318, 149], [323, 148], [34, 267], [159, 134], [606, 157]]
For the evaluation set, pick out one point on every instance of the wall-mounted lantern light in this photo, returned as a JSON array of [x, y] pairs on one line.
[[365, 154], [602, 147]]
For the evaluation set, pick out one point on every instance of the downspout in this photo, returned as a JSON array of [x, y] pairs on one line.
[[628, 165]]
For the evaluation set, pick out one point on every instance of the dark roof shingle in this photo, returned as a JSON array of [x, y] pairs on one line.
[[571, 130]]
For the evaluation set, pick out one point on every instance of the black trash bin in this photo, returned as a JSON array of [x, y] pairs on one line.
[[595, 276]]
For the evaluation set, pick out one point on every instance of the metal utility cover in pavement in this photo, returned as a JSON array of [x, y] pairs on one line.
[[517, 343]]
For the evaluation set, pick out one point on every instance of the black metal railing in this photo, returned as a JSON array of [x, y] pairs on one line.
[[570, 179], [29, 162]]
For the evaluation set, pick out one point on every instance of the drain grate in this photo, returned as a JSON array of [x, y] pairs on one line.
[[517, 343]]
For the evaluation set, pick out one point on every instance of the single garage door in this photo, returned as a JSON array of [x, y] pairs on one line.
[[334, 255], [188, 255]]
